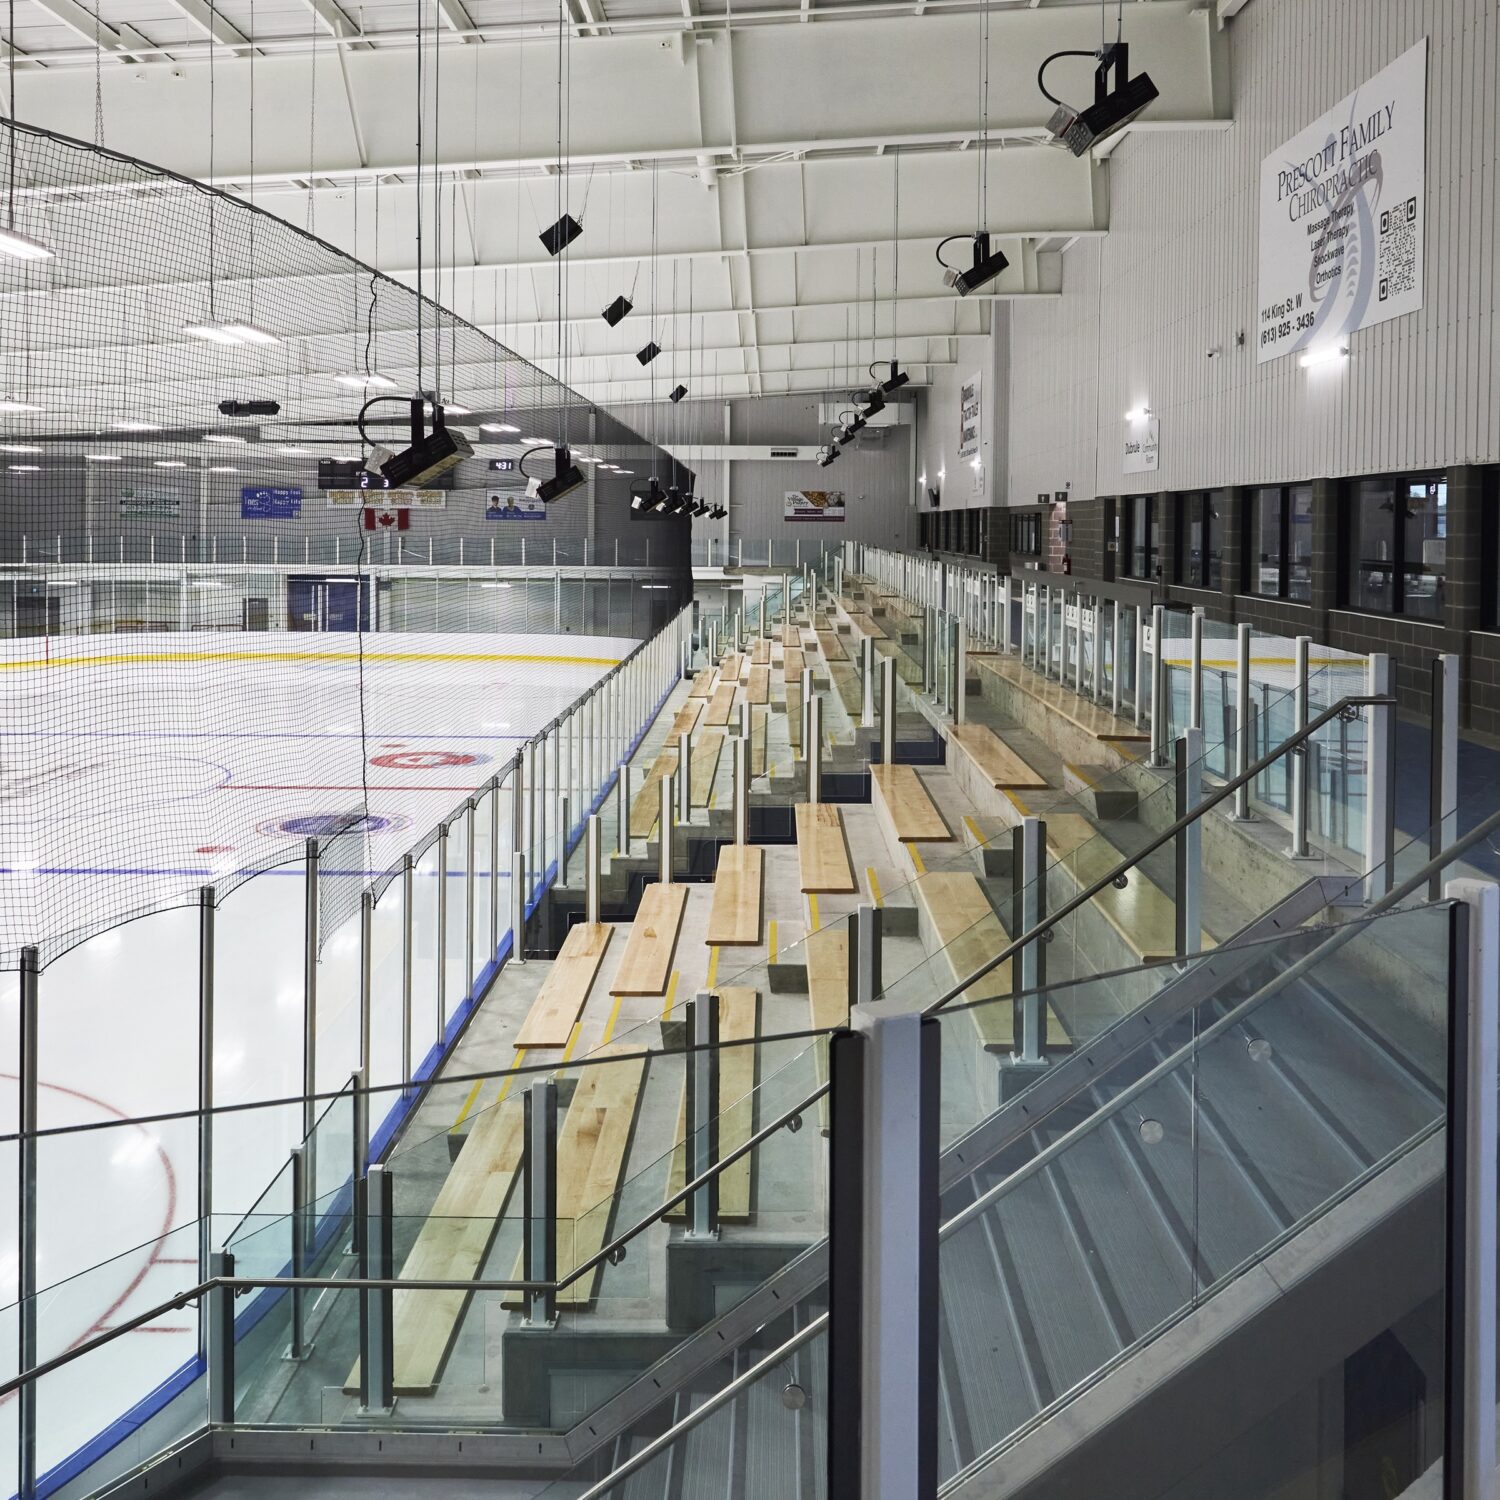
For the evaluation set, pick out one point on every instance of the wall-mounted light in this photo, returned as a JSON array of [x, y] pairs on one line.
[[1329, 354], [1138, 414]]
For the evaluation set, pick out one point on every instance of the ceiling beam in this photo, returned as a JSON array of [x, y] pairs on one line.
[[212, 23], [456, 18], [123, 42], [338, 23]]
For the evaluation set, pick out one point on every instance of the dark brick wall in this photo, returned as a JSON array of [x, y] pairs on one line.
[[1473, 495]]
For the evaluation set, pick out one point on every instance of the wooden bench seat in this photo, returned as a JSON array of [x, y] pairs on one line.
[[758, 689], [822, 854], [739, 1021], [995, 761], [734, 919], [1091, 718], [792, 663], [560, 1001], [452, 1245], [686, 720], [902, 802], [967, 933], [831, 646], [760, 653], [645, 806], [729, 668], [703, 683], [593, 1139], [847, 684], [791, 636], [646, 964], [864, 624], [708, 746], [794, 714], [721, 705]]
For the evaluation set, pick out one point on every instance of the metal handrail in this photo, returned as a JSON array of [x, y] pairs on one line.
[[411, 1284], [1222, 794], [707, 1409]]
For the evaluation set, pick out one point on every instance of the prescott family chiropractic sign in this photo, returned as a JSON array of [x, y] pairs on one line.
[[1341, 215]]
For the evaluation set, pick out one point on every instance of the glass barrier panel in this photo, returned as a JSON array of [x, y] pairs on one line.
[[456, 937], [338, 980], [259, 945], [426, 955], [387, 1049]]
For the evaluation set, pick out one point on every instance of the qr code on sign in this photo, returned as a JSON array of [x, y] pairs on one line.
[[1398, 249]]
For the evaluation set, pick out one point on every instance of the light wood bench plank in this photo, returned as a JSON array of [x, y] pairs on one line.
[[734, 919], [729, 668], [759, 689], [831, 646], [758, 720], [687, 719], [708, 745], [864, 625], [647, 961], [760, 653], [822, 855], [792, 663], [907, 809], [561, 999], [703, 683], [995, 760], [790, 636], [645, 807], [721, 705], [739, 1020], [968, 932]]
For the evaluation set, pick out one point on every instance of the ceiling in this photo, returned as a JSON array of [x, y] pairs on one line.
[[768, 182]]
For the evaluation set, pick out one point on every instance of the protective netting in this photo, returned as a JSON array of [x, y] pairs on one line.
[[204, 739]]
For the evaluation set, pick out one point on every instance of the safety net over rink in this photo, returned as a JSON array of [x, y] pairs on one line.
[[259, 726]]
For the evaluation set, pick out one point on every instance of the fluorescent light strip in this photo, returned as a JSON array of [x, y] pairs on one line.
[[20, 246]]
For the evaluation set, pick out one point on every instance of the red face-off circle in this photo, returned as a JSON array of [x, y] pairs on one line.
[[424, 760]]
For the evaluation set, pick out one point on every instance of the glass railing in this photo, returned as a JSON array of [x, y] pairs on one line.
[[1207, 1145]]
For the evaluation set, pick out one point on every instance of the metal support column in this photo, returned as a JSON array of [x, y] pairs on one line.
[[667, 787], [1470, 1292], [741, 789], [408, 938], [1380, 782], [377, 1340], [1116, 661], [1300, 754], [1243, 750], [929, 650], [1188, 846], [218, 1310], [888, 710], [1442, 809], [493, 873], [518, 906], [310, 988], [361, 1098], [1195, 681], [1160, 718], [29, 1121], [813, 753], [1029, 884], [702, 1126], [297, 1346], [867, 681], [807, 698], [958, 669], [1138, 665], [540, 1226]]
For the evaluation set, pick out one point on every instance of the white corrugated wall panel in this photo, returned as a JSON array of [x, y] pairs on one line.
[[1177, 276]]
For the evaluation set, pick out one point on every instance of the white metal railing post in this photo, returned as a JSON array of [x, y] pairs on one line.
[[1195, 681], [667, 789], [1138, 665], [958, 664], [813, 754], [741, 789], [888, 710], [1160, 718], [1243, 747], [685, 777], [867, 681], [1380, 779], [1302, 755], [1476, 1122], [1188, 754], [592, 871]]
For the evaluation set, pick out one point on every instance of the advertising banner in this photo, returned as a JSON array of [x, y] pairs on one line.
[[260, 504], [500, 507], [149, 505], [388, 499], [814, 505], [1342, 209], [970, 418]]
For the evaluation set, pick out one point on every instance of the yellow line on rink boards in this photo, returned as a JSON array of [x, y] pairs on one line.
[[154, 657]]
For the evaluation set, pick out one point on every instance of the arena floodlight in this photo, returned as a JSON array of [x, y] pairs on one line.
[[1116, 103], [248, 409], [874, 400], [18, 246], [898, 376], [566, 477], [617, 311], [429, 454], [557, 237], [646, 355], [987, 264], [646, 498]]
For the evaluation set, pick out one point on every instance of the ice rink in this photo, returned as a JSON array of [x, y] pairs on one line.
[[135, 771]]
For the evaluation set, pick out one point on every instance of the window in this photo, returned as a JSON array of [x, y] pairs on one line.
[[1278, 542], [1397, 547], [1138, 536], [1200, 538], [1026, 534]]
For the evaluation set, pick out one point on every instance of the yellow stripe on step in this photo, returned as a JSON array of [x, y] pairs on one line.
[[873, 881], [666, 1009], [916, 859]]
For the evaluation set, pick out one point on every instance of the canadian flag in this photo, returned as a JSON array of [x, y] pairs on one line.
[[375, 518]]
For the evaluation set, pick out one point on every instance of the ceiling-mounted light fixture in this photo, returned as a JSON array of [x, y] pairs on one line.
[[371, 382], [617, 311], [677, 394], [557, 237], [427, 456], [566, 477], [874, 400], [826, 456], [497, 427], [1116, 103], [247, 409], [18, 246], [644, 497], [898, 376], [649, 353], [847, 431], [230, 334], [987, 265]]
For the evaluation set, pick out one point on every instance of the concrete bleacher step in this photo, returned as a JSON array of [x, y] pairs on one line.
[[1100, 790]]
